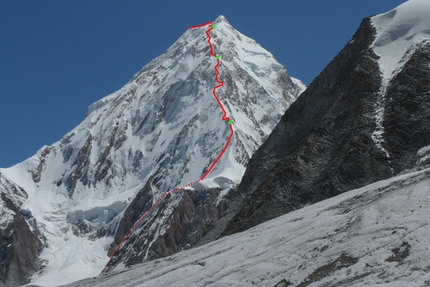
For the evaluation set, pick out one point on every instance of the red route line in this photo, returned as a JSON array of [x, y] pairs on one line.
[[224, 118], [201, 25]]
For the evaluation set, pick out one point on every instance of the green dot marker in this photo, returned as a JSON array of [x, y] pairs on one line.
[[230, 122], [213, 26], [217, 56]]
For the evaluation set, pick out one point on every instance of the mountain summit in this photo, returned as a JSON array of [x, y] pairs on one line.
[[163, 129], [219, 19]]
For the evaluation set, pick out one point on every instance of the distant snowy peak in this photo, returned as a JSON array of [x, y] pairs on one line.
[[398, 33]]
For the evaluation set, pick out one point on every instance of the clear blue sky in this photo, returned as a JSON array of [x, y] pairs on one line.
[[57, 57]]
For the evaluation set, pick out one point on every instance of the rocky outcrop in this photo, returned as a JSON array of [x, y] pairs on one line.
[[80, 165], [140, 204], [407, 111], [19, 246], [323, 144], [195, 214], [37, 173]]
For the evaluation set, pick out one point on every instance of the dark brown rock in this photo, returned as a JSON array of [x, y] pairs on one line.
[[323, 144], [407, 111], [80, 166], [140, 204], [283, 283], [322, 272], [19, 249], [195, 213], [37, 174]]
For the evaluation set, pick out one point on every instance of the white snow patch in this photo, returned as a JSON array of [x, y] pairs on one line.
[[71, 259], [424, 154], [377, 135]]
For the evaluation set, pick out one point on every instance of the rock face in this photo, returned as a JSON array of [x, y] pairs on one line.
[[407, 111], [19, 245], [325, 143], [196, 213]]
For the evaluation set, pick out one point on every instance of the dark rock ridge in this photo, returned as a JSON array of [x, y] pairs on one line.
[[140, 204], [407, 110], [195, 212], [323, 144], [19, 246]]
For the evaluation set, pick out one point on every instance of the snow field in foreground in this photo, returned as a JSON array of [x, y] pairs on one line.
[[381, 232]]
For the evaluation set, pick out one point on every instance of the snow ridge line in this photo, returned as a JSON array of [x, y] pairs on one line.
[[224, 118]]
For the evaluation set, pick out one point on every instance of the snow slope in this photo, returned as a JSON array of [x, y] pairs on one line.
[[376, 235], [399, 32], [163, 125]]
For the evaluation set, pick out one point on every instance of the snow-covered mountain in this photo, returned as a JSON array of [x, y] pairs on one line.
[[161, 130], [374, 236], [365, 118]]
